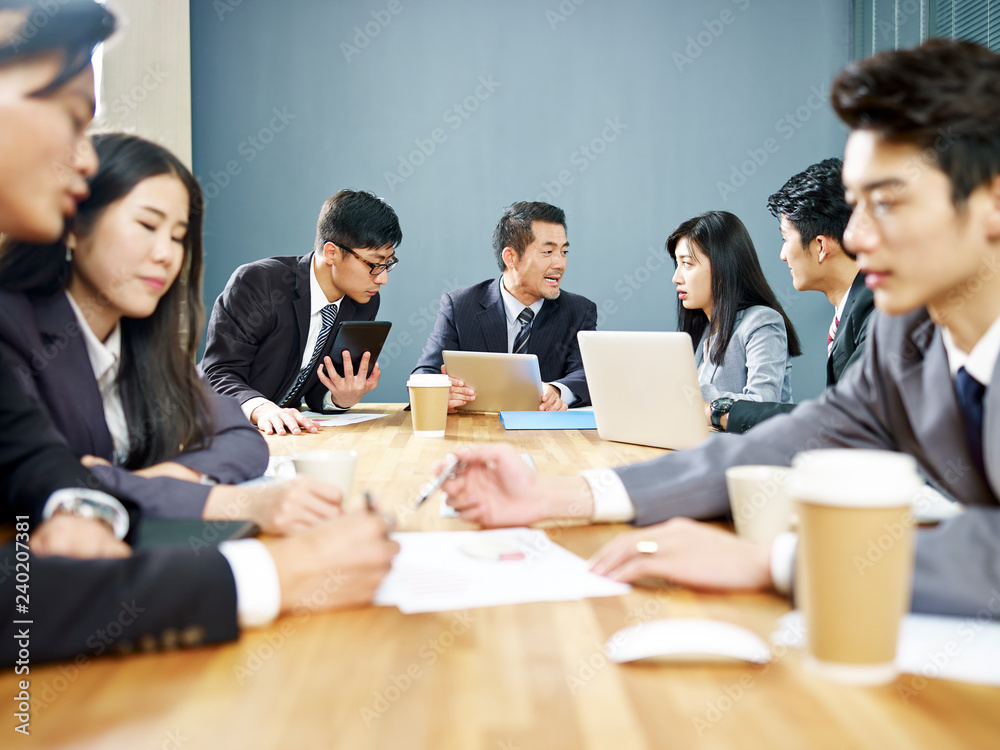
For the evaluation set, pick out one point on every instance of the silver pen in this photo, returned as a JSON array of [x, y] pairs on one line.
[[451, 463]]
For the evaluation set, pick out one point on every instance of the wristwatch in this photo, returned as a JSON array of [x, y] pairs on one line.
[[720, 406], [89, 504]]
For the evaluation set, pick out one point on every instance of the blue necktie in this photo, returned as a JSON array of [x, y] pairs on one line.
[[521, 340], [329, 315], [970, 400]]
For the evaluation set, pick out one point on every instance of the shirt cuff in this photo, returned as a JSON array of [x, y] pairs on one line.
[[120, 524], [258, 592], [565, 393], [252, 403], [783, 550], [328, 404], [611, 501]]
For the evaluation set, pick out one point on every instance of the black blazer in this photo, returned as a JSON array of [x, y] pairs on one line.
[[186, 596], [848, 346], [473, 319], [258, 331], [41, 339]]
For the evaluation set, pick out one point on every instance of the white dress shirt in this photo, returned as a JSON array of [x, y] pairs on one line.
[[513, 308]]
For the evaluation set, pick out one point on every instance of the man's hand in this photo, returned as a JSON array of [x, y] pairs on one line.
[[89, 462], [271, 419], [280, 508], [551, 399], [334, 565], [67, 535], [346, 391], [690, 554], [459, 394], [496, 488]]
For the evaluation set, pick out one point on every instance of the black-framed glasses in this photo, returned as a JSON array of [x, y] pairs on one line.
[[375, 268]]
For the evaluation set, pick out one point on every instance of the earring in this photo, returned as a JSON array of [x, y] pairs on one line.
[[69, 255]]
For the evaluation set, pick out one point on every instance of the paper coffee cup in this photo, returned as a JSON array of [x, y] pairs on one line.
[[759, 500], [855, 559], [334, 467], [429, 403]]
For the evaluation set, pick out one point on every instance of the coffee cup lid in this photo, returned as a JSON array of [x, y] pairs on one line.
[[428, 380]]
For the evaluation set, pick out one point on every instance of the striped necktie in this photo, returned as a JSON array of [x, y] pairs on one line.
[[831, 334], [521, 340], [329, 316]]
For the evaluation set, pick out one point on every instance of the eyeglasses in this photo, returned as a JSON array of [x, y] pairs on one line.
[[376, 268]]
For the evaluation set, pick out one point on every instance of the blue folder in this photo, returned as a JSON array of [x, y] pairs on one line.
[[548, 420]]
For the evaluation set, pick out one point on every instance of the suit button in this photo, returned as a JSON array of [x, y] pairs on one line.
[[193, 635]]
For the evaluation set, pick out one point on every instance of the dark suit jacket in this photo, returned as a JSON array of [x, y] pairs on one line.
[[258, 330], [41, 340], [186, 598], [473, 319], [900, 397], [848, 345]]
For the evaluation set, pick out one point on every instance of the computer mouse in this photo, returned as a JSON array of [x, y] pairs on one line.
[[687, 639]]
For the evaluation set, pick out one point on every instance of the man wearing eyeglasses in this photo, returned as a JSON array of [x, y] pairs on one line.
[[272, 328]]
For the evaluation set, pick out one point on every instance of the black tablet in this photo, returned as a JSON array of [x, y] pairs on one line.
[[358, 337]]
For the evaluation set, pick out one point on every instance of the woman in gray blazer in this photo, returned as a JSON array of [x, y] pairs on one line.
[[744, 342]]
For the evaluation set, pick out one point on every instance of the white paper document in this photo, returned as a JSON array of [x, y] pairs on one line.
[[445, 570], [966, 649], [339, 420]]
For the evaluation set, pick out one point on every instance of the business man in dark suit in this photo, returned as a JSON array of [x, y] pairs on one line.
[[166, 597], [813, 216], [525, 311], [922, 171], [272, 328]]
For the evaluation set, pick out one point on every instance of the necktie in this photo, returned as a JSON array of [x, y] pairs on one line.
[[831, 334], [970, 400], [521, 340], [329, 316]]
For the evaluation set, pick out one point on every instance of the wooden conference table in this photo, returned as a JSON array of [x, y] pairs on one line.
[[527, 677]]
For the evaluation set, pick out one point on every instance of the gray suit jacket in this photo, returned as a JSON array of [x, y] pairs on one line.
[[756, 365], [472, 319], [899, 398], [848, 346]]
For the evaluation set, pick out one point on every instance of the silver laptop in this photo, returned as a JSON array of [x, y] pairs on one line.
[[502, 382], [644, 387]]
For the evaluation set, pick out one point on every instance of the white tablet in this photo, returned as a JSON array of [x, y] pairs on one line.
[[502, 382]]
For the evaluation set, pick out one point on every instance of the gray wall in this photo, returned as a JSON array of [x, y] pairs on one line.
[[632, 115]]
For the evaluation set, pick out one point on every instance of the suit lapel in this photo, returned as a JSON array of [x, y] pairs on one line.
[[302, 303], [493, 320], [80, 395], [541, 341], [929, 399], [843, 342], [991, 432]]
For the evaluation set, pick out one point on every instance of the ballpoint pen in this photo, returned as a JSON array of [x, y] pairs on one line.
[[451, 463]]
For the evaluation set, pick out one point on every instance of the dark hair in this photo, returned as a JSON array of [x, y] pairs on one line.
[[73, 27], [813, 202], [514, 228], [164, 400], [737, 279], [943, 96], [357, 219]]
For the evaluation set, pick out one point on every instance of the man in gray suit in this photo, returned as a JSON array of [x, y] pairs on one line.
[[922, 170], [813, 216], [525, 311]]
